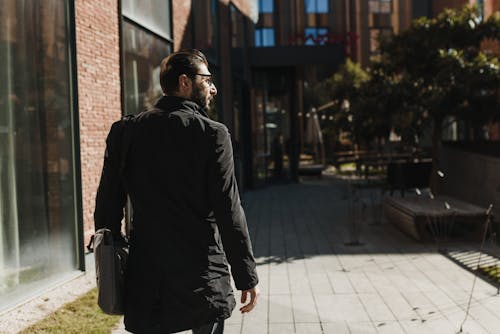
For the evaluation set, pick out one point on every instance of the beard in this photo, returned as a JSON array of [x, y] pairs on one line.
[[198, 97]]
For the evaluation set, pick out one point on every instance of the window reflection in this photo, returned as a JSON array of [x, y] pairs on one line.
[[316, 6], [143, 53], [37, 198], [264, 37], [150, 13], [266, 6], [316, 36], [237, 28], [205, 25]]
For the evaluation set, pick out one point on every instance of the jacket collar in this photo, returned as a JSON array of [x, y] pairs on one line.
[[174, 103]]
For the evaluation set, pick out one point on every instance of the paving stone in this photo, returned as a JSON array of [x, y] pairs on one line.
[[335, 308], [314, 328], [361, 328], [360, 282], [399, 306], [389, 327], [312, 283], [281, 328], [320, 284], [280, 309], [278, 284], [376, 308], [300, 285], [340, 283], [254, 328], [304, 309], [232, 328], [339, 327]]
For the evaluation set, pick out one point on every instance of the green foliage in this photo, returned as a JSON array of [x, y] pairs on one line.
[[424, 75], [438, 67], [347, 89], [80, 316], [451, 76]]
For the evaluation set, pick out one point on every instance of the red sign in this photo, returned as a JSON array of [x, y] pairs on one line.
[[349, 40]]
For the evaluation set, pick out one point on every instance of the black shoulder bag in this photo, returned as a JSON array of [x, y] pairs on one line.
[[111, 254]]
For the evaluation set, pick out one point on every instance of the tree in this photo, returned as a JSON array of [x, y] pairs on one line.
[[439, 68], [345, 89]]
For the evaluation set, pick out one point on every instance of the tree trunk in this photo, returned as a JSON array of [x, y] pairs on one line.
[[437, 131]]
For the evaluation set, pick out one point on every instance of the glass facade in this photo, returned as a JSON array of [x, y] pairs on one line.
[[151, 14], [264, 37], [38, 219], [277, 117], [206, 18], [266, 6], [146, 40], [316, 36], [380, 6], [316, 6], [265, 32], [259, 138], [238, 33]]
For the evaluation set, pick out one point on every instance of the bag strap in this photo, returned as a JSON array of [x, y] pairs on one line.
[[125, 147]]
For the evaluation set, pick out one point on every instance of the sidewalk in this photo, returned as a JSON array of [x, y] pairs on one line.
[[311, 283]]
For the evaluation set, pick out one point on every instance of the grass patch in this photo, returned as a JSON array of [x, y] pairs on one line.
[[80, 316], [492, 272]]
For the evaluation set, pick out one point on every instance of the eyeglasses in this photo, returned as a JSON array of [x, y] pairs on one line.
[[209, 79]]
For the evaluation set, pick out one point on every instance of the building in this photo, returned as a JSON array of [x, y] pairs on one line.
[[71, 67]]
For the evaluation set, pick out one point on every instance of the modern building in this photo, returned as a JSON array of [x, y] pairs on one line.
[[69, 68]]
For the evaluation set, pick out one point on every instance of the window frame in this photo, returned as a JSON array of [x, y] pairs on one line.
[[316, 10], [260, 31]]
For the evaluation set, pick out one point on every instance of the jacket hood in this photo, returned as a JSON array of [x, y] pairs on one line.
[[174, 103]]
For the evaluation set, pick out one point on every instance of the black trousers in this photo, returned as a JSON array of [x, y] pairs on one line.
[[212, 328]]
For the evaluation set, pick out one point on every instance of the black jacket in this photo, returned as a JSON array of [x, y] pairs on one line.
[[188, 223]]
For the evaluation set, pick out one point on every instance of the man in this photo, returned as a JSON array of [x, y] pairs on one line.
[[176, 165]]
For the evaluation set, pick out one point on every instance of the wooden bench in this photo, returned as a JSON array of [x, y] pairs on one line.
[[311, 170], [443, 217]]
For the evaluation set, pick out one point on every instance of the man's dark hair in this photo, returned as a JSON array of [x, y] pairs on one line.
[[182, 62]]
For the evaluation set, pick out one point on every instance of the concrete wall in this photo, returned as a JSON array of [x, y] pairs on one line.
[[471, 177]]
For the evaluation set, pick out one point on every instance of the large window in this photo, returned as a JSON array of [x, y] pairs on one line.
[[146, 40], [316, 6], [38, 224], [264, 32], [266, 6], [238, 34], [380, 6], [264, 37], [376, 34], [205, 18], [480, 7], [151, 14]]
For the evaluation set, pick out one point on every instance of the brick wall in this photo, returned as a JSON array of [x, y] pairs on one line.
[[181, 16], [98, 65], [439, 5], [491, 45]]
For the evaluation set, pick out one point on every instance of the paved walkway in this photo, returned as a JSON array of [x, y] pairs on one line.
[[311, 282]]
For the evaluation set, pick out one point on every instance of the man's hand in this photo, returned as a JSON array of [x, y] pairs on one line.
[[254, 295]]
